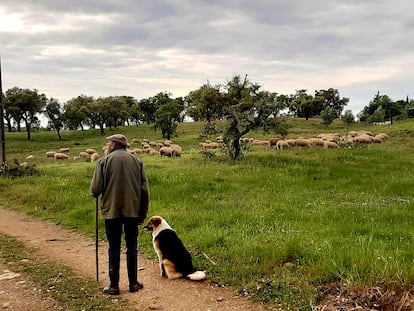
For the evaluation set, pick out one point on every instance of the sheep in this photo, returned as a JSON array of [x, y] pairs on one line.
[[273, 141], [94, 156], [146, 146], [30, 157], [60, 156], [138, 151], [176, 150], [377, 139], [64, 150], [383, 136], [363, 139], [24, 165], [136, 141], [90, 151], [365, 133], [50, 154], [330, 145], [260, 143], [244, 140], [329, 136], [302, 142], [210, 145], [84, 155], [317, 141], [152, 152], [166, 151], [282, 144], [291, 142]]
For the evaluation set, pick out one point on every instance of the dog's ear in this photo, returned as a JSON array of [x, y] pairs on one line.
[[156, 221]]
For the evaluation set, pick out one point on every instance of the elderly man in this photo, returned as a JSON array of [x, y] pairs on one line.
[[120, 179]]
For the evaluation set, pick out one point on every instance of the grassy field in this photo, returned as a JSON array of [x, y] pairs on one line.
[[277, 225]]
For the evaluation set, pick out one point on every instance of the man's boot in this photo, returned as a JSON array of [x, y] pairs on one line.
[[113, 288], [134, 285]]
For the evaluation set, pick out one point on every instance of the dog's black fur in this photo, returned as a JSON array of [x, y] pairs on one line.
[[174, 259]]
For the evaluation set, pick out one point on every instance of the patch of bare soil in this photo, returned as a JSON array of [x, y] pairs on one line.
[[78, 252], [18, 293]]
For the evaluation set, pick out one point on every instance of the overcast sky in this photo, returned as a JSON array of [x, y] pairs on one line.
[[140, 48]]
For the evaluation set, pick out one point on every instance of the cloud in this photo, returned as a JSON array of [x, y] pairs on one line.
[[102, 48]]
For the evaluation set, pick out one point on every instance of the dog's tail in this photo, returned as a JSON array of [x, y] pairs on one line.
[[197, 276]]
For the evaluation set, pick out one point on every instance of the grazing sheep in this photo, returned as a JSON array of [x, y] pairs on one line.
[[166, 151], [176, 150], [90, 151], [244, 140], [30, 157], [84, 155], [273, 142], [152, 152], [138, 151], [302, 142], [282, 144], [94, 156], [377, 140], [50, 154], [24, 165], [257, 142], [330, 145], [291, 142], [363, 139], [364, 133], [210, 145], [60, 156], [317, 141], [64, 150], [383, 136], [136, 141], [329, 136]]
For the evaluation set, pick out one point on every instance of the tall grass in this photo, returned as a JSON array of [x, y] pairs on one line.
[[277, 224]]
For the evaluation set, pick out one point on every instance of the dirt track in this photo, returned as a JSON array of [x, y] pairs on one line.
[[78, 253]]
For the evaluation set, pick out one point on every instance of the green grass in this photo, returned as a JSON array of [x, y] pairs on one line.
[[277, 225]]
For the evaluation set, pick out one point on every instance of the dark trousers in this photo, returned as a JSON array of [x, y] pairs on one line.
[[114, 228]]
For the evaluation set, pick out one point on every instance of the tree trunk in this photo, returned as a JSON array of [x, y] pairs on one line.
[[235, 148], [101, 127], [28, 125]]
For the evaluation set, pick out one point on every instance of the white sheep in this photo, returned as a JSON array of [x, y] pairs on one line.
[[330, 145], [282, 144], [94, 156], [90, 151], [84, 155], [302, 142], [166, 151], [60, 156]]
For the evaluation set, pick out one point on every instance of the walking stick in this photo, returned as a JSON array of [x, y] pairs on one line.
[[96, 239]]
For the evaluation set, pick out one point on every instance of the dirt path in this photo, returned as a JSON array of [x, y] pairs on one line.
[[78, 253]]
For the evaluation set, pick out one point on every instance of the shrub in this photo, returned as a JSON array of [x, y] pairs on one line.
[[17, 169]]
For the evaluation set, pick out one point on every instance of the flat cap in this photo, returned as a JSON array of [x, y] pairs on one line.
[[119, 138]]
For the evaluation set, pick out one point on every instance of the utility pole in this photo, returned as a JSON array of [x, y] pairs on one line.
[[3, 139]]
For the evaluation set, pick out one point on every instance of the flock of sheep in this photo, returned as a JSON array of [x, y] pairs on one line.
[[324, 140], [166, 148], [169, 149]]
